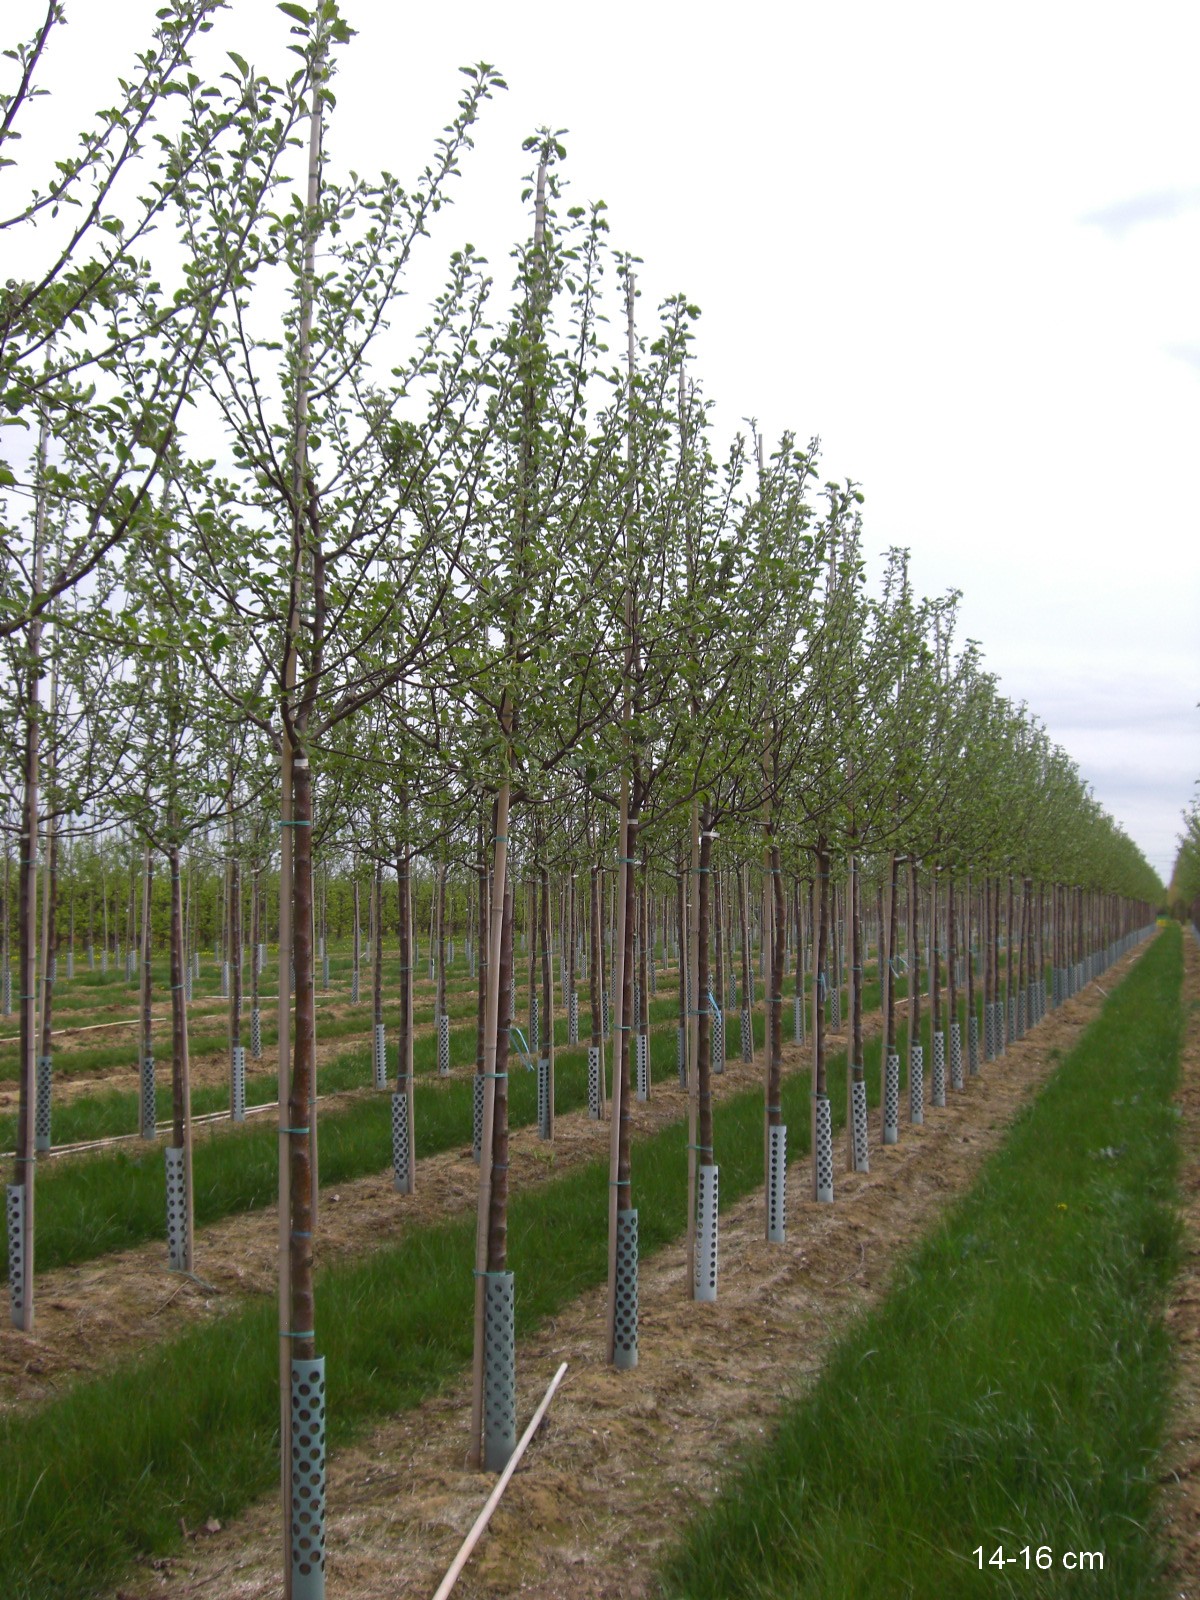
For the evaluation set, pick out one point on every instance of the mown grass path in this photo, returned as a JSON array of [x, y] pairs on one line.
[[1009, 1392]]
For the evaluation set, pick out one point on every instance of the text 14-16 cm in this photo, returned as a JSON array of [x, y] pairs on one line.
[[1043, 1556]]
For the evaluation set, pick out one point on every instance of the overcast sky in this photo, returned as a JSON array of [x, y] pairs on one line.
[[960, 244]]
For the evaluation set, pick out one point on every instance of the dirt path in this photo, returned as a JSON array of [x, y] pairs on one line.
[[1181, 1475], [623, 1459]]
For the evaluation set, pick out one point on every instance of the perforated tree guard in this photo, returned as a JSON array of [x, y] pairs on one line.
[[824, 1149], [14, 1213], [777, 1184], [7, 992], [705, 1283], [653, 977], [835, 1010], [747, 1039], [956, 1056], [238, 1081], [858, 1095], [129, 966], [989, 1045], [916, 1084], [401, 1176], [798, 1019], [512, 995], [91, 958], [1012, 1020], [324, 972], [1020, 1024], [572, 1018], [176, 1209], [499, 1371], [594, 1081], [149, 1108], [637, 1006], [938, 1085], [70, 963], [379, 1055], [543, 1091], [716, 1041], [605, 1018], [973, 1043], [262, 956], [256, 1033], [625, 1320], [196, 963], [354, 986], [891, 1099], [643, 1066], [104, 960], [477, 1083], [681, 1055], [731, 992], [41, 1110], [443, 1044], [535, 1026], [308, 1479]]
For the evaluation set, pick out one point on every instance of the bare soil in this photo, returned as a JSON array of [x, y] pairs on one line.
[[623, 1459]]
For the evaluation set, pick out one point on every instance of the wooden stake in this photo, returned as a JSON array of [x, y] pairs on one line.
[[493, 1500]]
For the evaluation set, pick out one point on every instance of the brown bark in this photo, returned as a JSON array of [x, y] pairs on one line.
[[377, 972], [147, 961], [704, 1139], [775, 1000], [951, 954], [914, 956], [596, 962], [857, 1070], [822, 959], [621, 1053], [301, 1096], [497, 1243], [893, 943]]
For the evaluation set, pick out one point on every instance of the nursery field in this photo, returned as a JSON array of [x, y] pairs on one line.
[[612, 1496], [493, 874]]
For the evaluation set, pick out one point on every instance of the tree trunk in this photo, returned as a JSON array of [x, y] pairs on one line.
[[181, 1115], [497, 1246]]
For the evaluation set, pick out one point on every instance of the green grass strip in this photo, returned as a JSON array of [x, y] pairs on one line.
[[103, 1474], [1010, 1390]]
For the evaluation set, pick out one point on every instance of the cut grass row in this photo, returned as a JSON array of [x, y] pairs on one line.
[[104, 1474], [1010, 1391]]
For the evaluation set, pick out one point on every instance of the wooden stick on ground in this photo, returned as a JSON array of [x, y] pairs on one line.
[[493, 1500]]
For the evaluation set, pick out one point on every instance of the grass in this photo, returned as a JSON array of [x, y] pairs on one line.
[[103, 1474], [1010, 1390]]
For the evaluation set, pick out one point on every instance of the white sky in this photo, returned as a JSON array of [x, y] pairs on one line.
[[961, 244]]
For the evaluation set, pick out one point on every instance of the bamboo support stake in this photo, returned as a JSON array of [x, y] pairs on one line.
[[493, 1500]]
